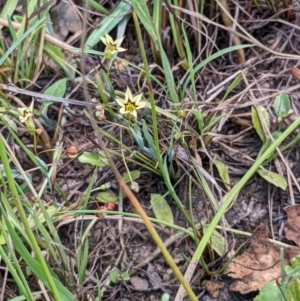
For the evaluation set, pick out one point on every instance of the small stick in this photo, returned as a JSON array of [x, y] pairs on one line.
[[50, 39], [48, 97]]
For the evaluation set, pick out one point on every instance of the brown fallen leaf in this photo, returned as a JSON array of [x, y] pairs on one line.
[[213, 287], [139, 284], [256, 266], [66, 19], [292, 226]]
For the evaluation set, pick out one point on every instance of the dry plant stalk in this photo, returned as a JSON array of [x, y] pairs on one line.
[[224, 9]]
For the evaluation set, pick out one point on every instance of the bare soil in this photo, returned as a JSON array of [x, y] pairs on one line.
[[124, 243]]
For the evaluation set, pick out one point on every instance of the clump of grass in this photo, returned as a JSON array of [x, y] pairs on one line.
[[28, 224]]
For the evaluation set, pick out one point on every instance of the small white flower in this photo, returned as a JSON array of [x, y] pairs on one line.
[[25, 113], [112, 46], [130, 104]]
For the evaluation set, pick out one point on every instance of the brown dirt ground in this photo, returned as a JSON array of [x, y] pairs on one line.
[[128, 243]]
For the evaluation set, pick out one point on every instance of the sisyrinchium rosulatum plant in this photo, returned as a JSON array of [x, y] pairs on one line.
[[162, 113]]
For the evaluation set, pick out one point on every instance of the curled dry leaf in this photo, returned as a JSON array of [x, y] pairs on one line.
[[257, 266], [66, 19], [139, 284], [213, 287], [292, 230], [292, 226], [225, 12]]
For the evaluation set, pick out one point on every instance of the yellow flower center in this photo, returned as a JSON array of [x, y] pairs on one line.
[[111, 48], [130, 106]]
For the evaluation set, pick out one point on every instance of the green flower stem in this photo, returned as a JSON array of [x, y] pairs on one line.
[[237, 188], [162, 167], [132, 217], [18, 203], [283, 149], [144, 216]]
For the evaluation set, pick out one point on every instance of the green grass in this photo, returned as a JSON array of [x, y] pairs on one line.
[[30, 243]]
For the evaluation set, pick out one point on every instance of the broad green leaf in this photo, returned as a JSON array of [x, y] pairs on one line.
[[293, 271], [125, 276], [139, 140], [56, 54], [168, 75], [114, 276], [106, 197], [257, 122], [273, 178], [295, 261], [148, 136], [217, 241], [161, 208], [16, 175], [200, 119], [281, 105], [94, 159], [10, 122], [293, 289], [117, 276], [8, 9], [94, 4], [108, 23], [51, 210], [133, 175], [270, 291], [257, 125], [223, 172], [142, 11], [276, 134], [108, 84], [31, 6], [57, 89]]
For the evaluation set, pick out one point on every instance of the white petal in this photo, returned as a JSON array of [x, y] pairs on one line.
[[119, 41], [109, 39], [141, 104], [31, 107], [137, 98], [104, 41], [120, 101], [128, 95], [134, 113], [21, 110], [120, 49]]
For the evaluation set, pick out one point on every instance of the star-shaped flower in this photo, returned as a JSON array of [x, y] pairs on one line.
[[26, 116], [130, 104], [112, 46]]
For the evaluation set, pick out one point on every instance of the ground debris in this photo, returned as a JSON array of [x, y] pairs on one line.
[[213, 287], [139, 284], [292, 226], [258, 265]]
